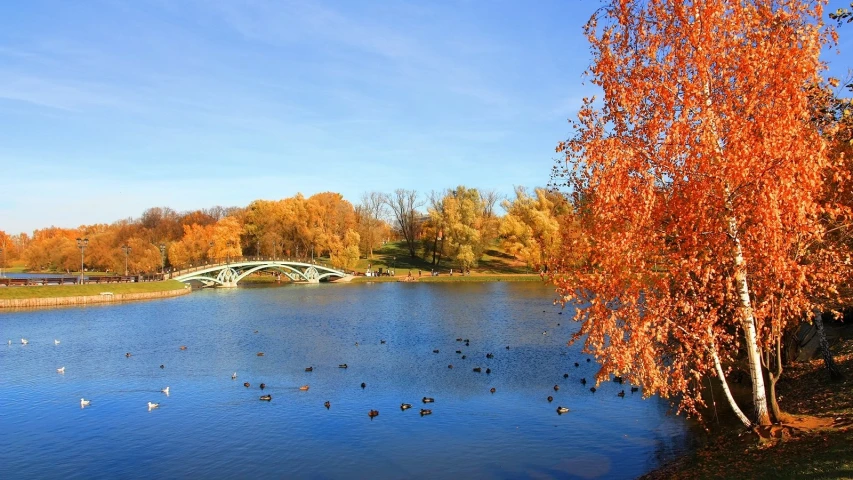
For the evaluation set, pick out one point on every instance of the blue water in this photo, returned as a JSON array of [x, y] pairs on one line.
[[211, 426]]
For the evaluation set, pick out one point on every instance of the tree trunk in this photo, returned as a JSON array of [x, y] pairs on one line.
[[834, 373], [721, 374], [434, 247], [747, 320]]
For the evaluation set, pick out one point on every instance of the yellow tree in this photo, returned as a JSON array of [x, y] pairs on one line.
[[701, 176], [530, 230]]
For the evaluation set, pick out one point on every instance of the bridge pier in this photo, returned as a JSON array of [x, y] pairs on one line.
[[229, 285]]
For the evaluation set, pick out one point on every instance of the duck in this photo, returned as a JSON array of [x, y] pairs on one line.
[[550, 399], [634, 389], [426, 411], [583, 381], [490, 355], [55, 341], [128, 355], [373, 413], [435, 351], [405, 406], [556, 387], [478, 369], [266, 397], [492, 389], [166, 391], [183, 347], [458, 339], [617, 379], [152, 405], [327, 404], [587, 360], [450, 366], [565, 375], [559, 313], [263, 386], [621, 394], [60, 370], [562, 410], [458, 351], [260, 354], [309, 369], [162, 366], [255, 331], [488, 371], [246, 384], [464, 357], [304, 387], [234, 376], [577, 364], [356, 344], [343, 365], [428, 400], [24, 341], [363, 385], [592, 389], [382, 342], [507, 347], [84, 402]]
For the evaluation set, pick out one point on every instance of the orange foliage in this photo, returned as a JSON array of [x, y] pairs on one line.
[[699, 177]]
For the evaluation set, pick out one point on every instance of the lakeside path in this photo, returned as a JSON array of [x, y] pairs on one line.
[[69, 295]]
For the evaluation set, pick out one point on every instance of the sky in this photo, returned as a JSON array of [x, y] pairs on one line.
[[111, 107]]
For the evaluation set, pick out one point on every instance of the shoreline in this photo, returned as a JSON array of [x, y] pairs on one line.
[[7, 304]]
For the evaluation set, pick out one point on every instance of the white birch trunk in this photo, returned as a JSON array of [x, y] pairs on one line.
[[729, 397], [747, 320]]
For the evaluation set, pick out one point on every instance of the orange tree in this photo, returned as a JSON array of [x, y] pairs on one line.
[[701, 178]]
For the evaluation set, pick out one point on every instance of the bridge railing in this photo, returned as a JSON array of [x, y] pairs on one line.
[[218, 262]]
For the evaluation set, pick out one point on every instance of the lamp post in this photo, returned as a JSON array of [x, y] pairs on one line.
[[163, 259], [126, 249], [82, 243]]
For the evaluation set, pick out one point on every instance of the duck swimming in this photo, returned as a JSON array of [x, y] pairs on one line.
[[363, 385], [477, 369], [246, 384], [428, 400], [309, 369], [617, 379], [266, 397], [304, 387], [128, 355], [556, 387], [405, 406], [263, 386], [488, 370], [565, 375], [373, 413], [343, 365], [56, 342], [492, 389], [562, 410], [621, 394], [183, 347], [583, 381], [166, 391], [233, 375], [426, 411], [327, 405], [634, 389], [450, 366], [24, 341], [84, 402], [592, 389], [152, 405], [260, 354], [550, 399], [60, 370]]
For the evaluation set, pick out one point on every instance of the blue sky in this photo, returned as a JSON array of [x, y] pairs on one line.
[[110, 107]]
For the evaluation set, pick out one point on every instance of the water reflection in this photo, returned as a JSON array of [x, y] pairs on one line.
[[211, 425]]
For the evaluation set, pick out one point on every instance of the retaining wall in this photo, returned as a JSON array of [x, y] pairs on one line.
[[88, 299]]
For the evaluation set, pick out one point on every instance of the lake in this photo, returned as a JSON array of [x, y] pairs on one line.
[[211, 426]]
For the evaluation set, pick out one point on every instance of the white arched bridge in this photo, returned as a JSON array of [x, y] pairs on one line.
[[227, 274]]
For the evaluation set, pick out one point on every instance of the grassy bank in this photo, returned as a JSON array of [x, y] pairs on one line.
[[56, 291], [815, 443], [454, 279]]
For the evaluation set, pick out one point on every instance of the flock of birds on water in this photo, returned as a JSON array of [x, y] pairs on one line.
[[372, 413]]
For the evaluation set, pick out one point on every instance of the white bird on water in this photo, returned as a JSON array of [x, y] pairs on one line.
[[56, 342], [84, 403], [152, 405], [60, 370], [166, 391], [24, 341], [233, 375]]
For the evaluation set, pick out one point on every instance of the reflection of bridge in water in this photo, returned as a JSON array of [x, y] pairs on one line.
[[227, 274]]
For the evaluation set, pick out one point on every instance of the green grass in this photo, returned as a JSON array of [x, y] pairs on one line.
[[396, 255], [53, 291]]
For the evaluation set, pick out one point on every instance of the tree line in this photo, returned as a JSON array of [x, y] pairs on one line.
[[453, 227]]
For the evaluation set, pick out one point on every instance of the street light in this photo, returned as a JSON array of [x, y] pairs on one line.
[[126, 249], [82, 243], [163, 259]]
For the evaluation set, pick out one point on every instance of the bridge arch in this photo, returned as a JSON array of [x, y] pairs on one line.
[[228, 274]]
